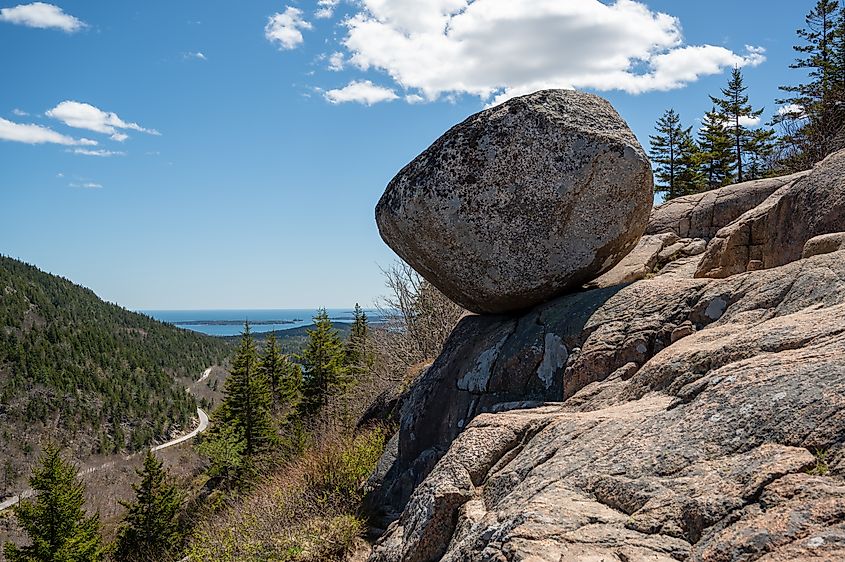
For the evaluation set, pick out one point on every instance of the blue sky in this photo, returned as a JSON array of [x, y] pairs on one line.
[[206, 154]]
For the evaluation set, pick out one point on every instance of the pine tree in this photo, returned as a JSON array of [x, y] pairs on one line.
[[675, 154], [55, 521], [284, 375], [734, 107], [150, 528], [323, 364], [247, 398], [822, 55], [717, 156], [760, 150], [358, 356], [271, 366]]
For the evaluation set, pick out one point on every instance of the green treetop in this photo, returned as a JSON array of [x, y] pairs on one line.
[[284, 375], [676, 157], [735, 111], [247, 399], [150, 528], [323, 364], [358, 355], [56, 522], [717, 156]]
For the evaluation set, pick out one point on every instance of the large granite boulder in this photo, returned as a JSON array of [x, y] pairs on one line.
[[521, 202], [774, 232], [703, 419]]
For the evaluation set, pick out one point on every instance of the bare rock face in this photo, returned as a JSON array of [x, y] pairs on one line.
[[703, 420], [824, 244], [521, 202], [774, 232], [701, 215]]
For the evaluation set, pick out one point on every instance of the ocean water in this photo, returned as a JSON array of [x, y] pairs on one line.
[[231, 322]]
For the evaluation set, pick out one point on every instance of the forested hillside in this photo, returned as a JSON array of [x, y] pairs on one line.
[[92, 375]]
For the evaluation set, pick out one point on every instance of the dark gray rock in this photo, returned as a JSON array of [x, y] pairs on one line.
[[521, 202]]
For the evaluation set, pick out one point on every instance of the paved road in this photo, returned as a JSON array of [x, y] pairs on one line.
[[9, 502]]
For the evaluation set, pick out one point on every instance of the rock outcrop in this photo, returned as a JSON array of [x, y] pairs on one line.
[[701, 215], [521, 202], [666, 447], [689, 404], [774, 232]]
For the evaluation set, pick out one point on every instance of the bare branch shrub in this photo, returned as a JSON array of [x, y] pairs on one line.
[[417, 320]]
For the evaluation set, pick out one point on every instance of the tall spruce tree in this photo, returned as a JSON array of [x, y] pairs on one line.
[[284, 375], [676, 156], [815, 102], [358, 355], [734, 108], [56, 522], [323, 364], [717, 156], [150, 529], [247, 400]]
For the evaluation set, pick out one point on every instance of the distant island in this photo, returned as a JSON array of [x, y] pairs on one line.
[[234, 322]]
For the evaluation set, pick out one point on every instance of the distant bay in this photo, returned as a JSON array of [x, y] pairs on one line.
[[231, 322]]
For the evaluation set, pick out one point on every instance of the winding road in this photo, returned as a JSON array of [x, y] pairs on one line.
[[9, 502]]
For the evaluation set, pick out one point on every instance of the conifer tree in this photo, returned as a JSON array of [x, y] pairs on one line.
[[676, 156], [717, 156], [247, 400], [271, 366], [150, 528], [284, 375], [56, 522], [734, 107], [814, 103], [358, 356], [323, 364]]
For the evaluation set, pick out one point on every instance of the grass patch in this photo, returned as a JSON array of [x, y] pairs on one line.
[[821, 468], [304, 511]]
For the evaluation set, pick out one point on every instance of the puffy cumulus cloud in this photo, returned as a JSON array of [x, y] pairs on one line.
[[285, 28], [496, 49], [199, 55], [86, 116], [791, 110], [29, 133], [362, 91], [325, 8], [41, 15]]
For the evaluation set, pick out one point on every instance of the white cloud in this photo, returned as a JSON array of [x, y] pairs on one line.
[[361, 92], [199, 55], [19, 112], [86, 116], [86, 185], [99, 152], [414, 98], [284, 28], [29, 133], [119, 137], [325, 8], [749, 120], [792, 110], [41, 15], [495, 49], [336, 61]]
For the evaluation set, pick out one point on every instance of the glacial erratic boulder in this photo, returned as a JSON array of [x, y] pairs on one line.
[[521, 202]]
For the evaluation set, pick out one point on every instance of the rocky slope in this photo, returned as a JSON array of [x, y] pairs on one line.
[[676, 417]]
